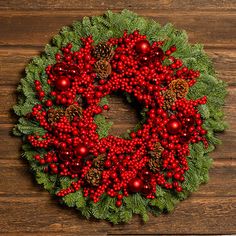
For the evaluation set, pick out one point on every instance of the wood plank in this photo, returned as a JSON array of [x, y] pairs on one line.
[[16, 180], [14, 60], [131, 4], [37, 27], [28, 215], [64, 233]]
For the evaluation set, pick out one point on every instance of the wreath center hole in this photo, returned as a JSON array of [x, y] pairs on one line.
[[124, 115]]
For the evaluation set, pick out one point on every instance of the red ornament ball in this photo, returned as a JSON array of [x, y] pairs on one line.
[[59, 69], [135, 185], [173, 126], [142, 47], [73, 70], [146, 189], [65, 155], [158, 54], [82, 150], [75, 167], [62, 83]]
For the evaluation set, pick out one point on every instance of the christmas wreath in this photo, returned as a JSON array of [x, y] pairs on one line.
[[65, 135]]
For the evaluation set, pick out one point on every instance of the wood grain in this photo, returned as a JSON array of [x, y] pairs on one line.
[[27, 28], [131, 4], [36, 218], [26, 209]]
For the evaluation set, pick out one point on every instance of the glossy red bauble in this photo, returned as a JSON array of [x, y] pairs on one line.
[[135, 185], [185, 137], [75, 167], [173, 126], [59, 69], [142, 47], [62, 83], [144, 59], [73, 70], [65, 155], [81, 150], [146, 189], [189, 121], [158, 54]]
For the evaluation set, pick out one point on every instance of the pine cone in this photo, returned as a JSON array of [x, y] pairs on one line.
[[169, 99], [54, 115], [98, 162], [103, 51], [102, 68], [154, 164], [93, 176], [158, 149], [72, 111], [180, 87]]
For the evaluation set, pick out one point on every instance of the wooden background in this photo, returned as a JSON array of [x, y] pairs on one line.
[[25, 208]]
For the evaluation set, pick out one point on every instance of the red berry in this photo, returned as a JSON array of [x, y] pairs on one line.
[[105, 107], [49, 103], [118, 203]]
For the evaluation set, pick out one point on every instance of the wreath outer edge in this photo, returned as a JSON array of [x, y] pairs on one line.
[[102, 28]]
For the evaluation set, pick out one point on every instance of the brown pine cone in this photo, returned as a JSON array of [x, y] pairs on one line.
[[93, 176], [103, 51], [98, 162], [180, 87], [72, 111], [102, 68], [169, 99], [54, 115], [158, 149], [154, 164]]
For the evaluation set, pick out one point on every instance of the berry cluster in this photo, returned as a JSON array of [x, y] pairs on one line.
[[154, 155]]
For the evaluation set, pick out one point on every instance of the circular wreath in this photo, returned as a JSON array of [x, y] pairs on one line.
[[65, 135]]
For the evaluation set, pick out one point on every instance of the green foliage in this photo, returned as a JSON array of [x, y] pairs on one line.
[[75, 199], [103, 125], [48, 181], [65, 182], [102, 28], [27, 127], [104, 101]]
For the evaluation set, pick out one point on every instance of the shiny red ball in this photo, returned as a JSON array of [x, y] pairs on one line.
[[75, 167], [142, 47], [59, 69], [62, 83], [146, 189], [65, 155], [158, 54], [82, 150], [73, 70], [135, 185], [173, 126]]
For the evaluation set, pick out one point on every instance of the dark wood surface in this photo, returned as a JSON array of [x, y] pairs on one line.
[[25, 208]]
